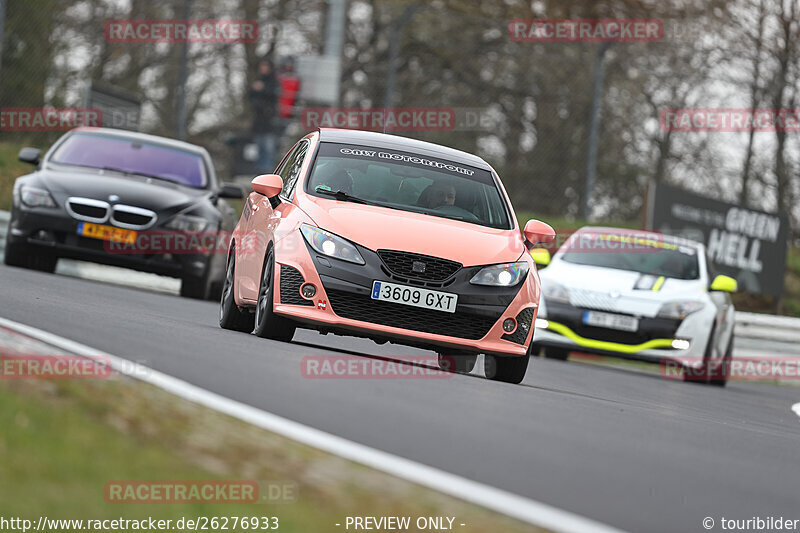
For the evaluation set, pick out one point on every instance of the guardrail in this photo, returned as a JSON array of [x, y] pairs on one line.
[[750, 325], [767, 327]]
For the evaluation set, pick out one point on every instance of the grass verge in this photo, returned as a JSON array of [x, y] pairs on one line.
[[62, 441]]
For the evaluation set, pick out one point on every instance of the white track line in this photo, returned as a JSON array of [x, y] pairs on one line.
[[796, 409], [521, 508]]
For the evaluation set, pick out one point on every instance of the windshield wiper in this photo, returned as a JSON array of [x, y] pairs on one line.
[[343, 196], [134, 173]]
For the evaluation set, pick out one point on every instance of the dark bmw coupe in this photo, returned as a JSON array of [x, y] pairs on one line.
[[125, 199]]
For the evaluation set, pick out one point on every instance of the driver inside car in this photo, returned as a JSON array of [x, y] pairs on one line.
[[437, 195]]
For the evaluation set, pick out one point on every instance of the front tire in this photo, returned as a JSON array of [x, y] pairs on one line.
[[719, 377], [268, 325], [507, 369], [26, 256], [196, 287], [230, 316]]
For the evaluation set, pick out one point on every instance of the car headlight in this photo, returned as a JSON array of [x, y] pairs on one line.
[[505, 275], [331, 245], [35, 197], [189, 223], [555, 292], [679, 309]]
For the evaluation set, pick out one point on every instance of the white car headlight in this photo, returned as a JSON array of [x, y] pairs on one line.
[[187, 223], [331, 245], [679, 309], [505, 275], [35, 197], [555, 292]]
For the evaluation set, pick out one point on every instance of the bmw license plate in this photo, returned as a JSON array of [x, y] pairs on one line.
[[610, 321], [415, 296], [106, 233]]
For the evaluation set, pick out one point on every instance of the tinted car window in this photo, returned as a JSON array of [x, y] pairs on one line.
[[132, 156], [290, 172], [409, 182]]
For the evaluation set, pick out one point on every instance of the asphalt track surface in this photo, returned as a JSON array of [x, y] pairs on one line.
[[630, 449]]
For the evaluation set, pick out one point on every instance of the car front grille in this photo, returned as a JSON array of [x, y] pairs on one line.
[[427, 268], [649, 328], [361, 307], [128, 216], [88, 209], [291, 280]]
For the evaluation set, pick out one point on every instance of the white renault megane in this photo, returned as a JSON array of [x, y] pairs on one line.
[[639, 295]]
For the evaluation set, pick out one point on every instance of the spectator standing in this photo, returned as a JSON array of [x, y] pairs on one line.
[[264, 100], [290, 88]]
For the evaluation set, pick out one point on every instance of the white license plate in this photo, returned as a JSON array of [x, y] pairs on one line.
[[415, 296], [611, 321]]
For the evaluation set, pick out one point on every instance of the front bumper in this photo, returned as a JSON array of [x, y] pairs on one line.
[[342, 304], [654, 341], [54, 231]]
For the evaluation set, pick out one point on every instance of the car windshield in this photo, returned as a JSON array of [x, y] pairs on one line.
[[133, 157], [646, 255], [409, 182]]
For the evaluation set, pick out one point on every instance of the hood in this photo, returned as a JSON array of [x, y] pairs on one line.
[[615, 290], [391, 229], [157, 195]]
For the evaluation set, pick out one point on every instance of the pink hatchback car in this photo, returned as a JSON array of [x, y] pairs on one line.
[[389, 238]]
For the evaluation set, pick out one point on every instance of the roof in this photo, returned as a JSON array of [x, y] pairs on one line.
[[156, 139], [396, 142]]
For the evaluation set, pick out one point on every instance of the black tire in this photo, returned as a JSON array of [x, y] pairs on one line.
[[509, 369], [27, 256], [196, 287], [560, 354], [719, 378], [230, 316], [462, 363], [268, 325]]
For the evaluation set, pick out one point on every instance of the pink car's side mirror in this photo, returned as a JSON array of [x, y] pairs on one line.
[[270, 185], [537, 232]]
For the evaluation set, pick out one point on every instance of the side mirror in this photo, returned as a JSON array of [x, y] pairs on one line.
[[541, 256], [537, 232], [724, 284], [270, 185], [30, 155], [229, 190]]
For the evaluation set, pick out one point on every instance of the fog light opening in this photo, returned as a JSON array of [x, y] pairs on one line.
[[509, 325], [681, 344], [541, 323], [308, 290]]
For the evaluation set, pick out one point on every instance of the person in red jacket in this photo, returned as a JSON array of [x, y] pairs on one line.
[[290, 88]]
